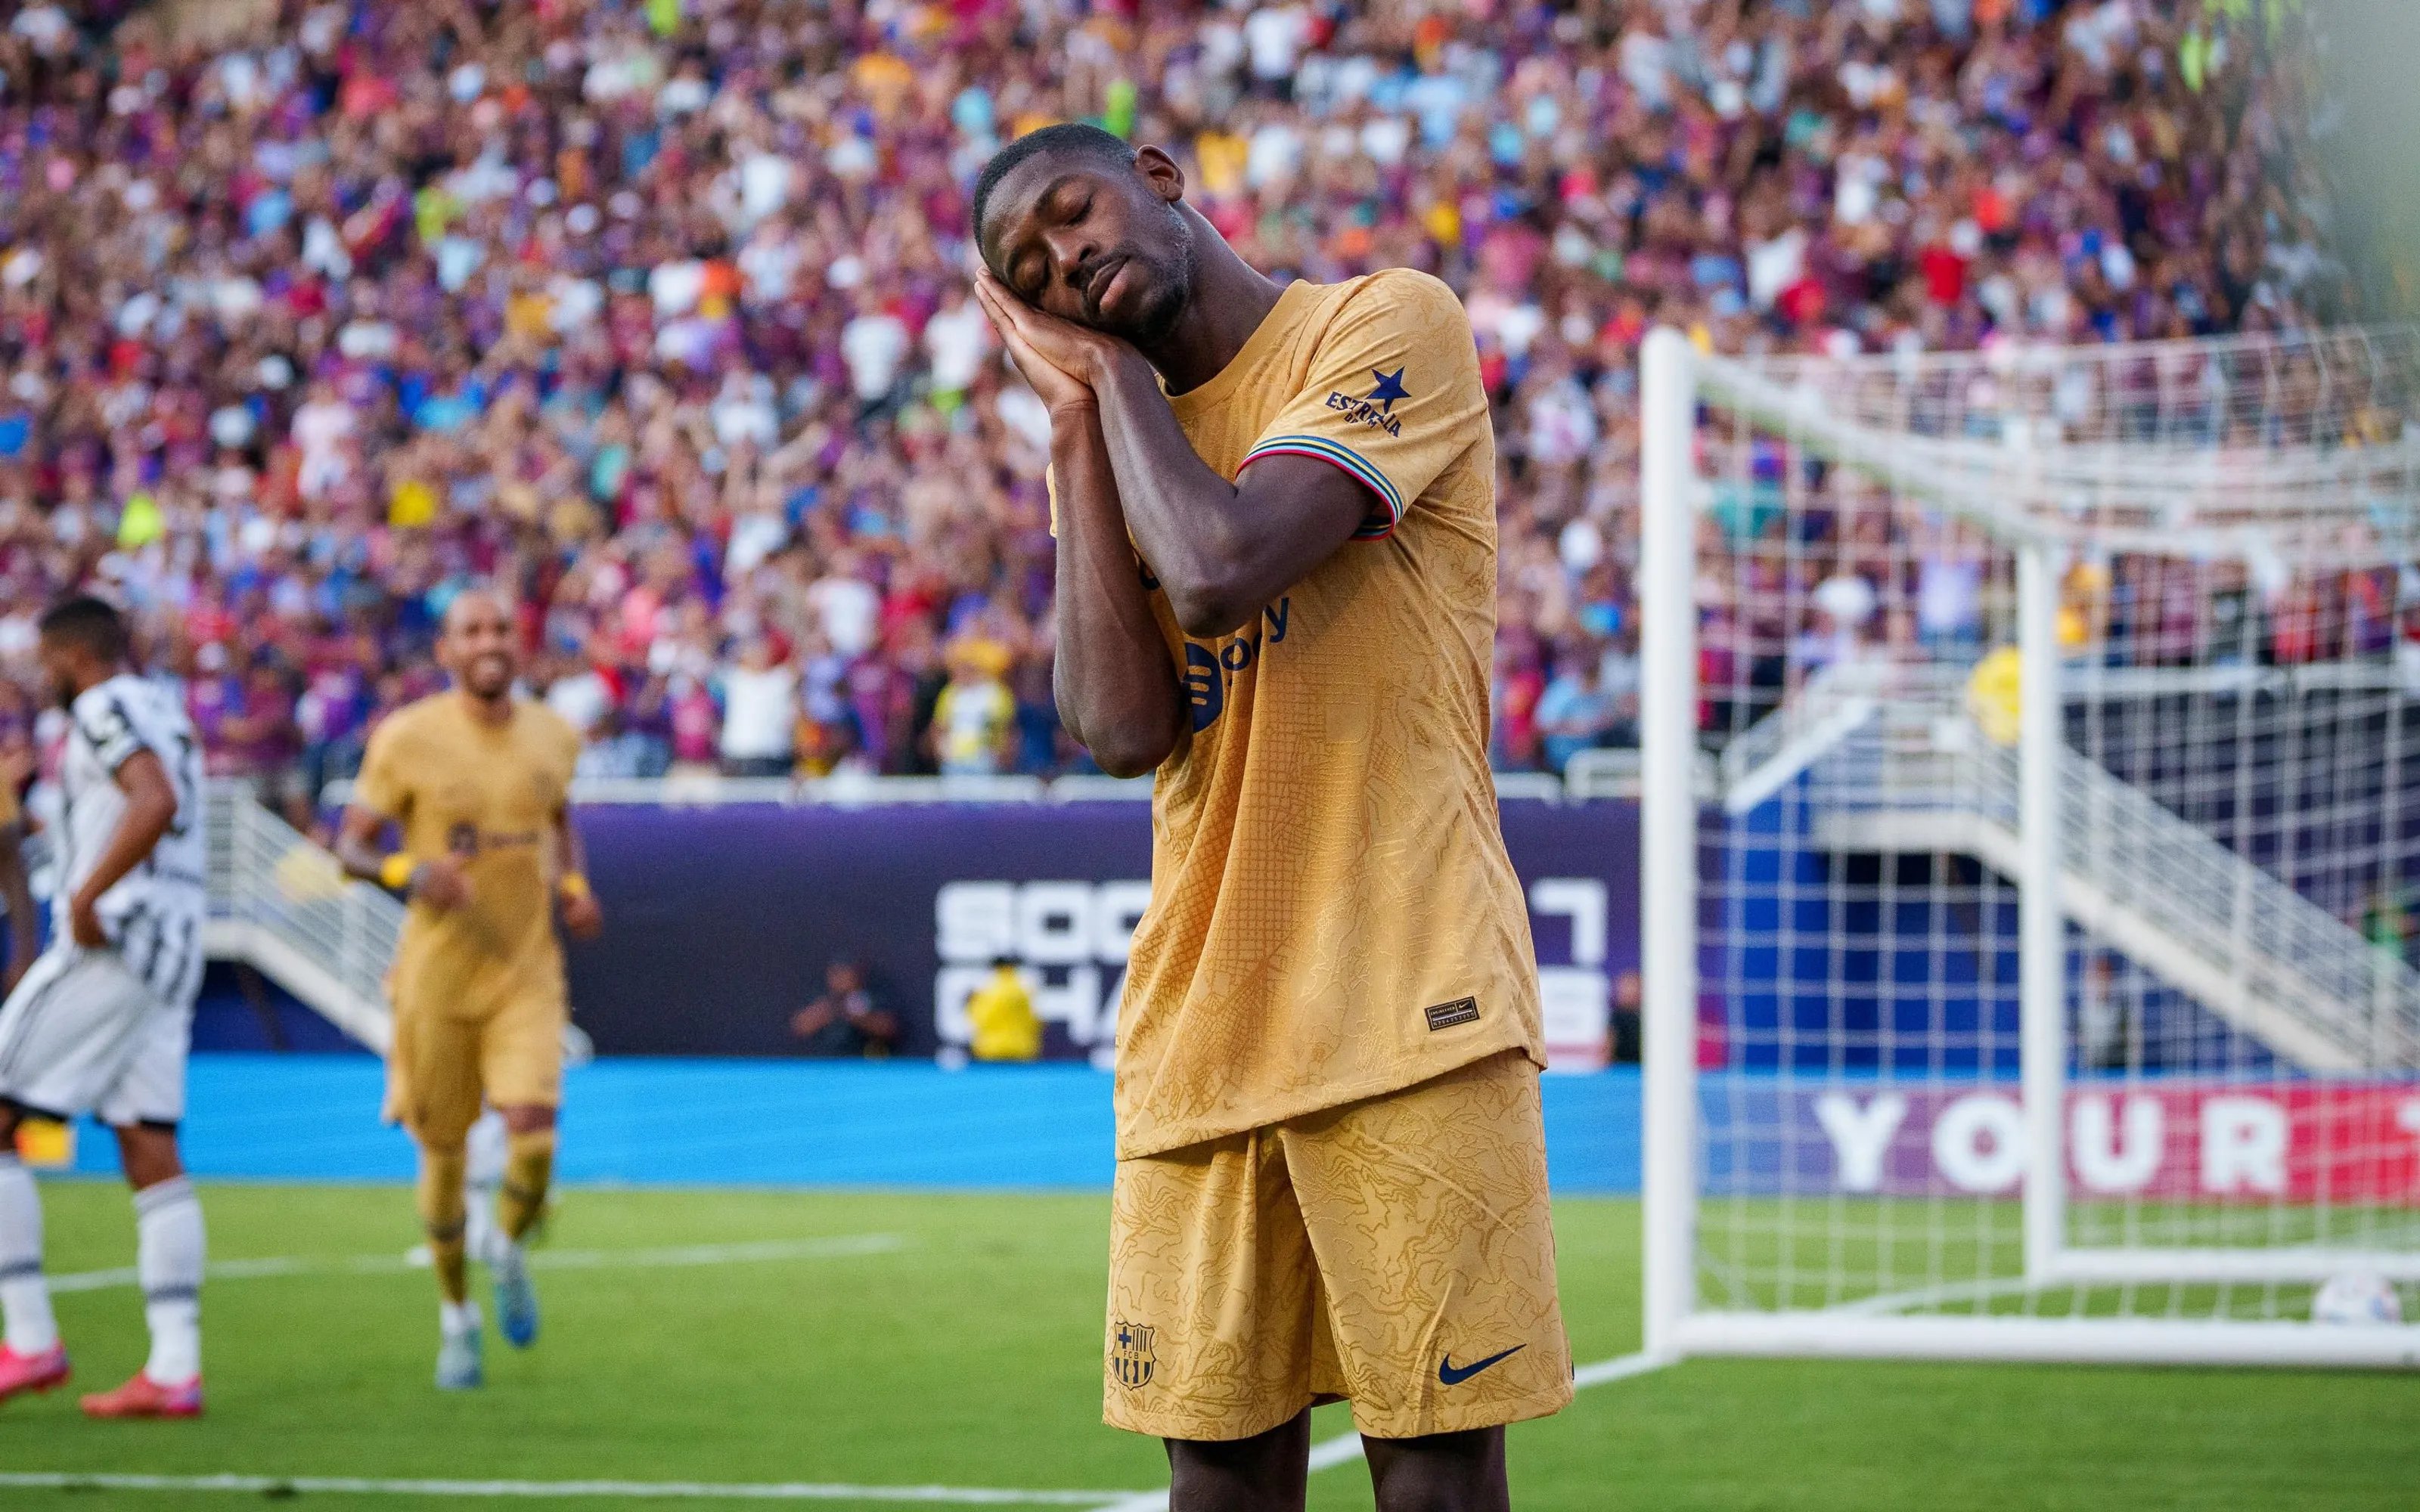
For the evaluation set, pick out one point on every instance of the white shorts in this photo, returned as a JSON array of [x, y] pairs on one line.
[[83, 1034]]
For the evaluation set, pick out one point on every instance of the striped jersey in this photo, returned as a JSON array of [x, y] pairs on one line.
[[1333, 915], [152, 914]]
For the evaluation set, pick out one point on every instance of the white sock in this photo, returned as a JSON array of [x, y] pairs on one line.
[[459, 1317], [481, 1238], [484, 1153], [168, 1256], [24, 1296]]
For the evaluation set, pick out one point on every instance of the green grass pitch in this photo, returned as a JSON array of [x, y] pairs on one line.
[[966, 1354]]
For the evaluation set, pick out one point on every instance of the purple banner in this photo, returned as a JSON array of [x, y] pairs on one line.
[[722, 921]]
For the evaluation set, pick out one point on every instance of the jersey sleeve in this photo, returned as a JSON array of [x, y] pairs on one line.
[[1393, 394], [111, 728], [382, 787]]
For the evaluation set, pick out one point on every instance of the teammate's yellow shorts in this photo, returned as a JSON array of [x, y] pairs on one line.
[[442, 1068], [1395, 1251]]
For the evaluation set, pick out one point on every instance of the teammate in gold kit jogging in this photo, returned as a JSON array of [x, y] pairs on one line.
[[474, 782]]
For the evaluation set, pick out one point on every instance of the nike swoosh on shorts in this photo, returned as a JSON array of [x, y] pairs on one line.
[[1451, 1374]]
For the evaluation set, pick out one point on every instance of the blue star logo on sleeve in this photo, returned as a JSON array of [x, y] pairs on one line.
[[1389, 389]]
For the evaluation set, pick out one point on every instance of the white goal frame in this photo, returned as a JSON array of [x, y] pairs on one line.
[[1675, 377]]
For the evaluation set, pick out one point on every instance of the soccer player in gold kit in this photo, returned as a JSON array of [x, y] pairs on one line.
[[1276, 521], [475, 783]]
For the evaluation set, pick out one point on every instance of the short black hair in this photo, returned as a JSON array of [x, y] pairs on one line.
[[91, 621], [1066, 136]]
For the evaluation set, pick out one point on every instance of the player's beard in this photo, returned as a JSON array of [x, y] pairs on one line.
[[1171, 288], [490, 677]]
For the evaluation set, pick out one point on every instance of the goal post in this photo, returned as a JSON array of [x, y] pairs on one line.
[[2036, 981]]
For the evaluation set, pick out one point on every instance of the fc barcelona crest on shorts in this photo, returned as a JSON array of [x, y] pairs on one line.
[[1130, 1358]]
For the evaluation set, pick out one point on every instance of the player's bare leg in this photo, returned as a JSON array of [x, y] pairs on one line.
[[169, 1253], [1266, 1473], [439, 1193], [1442, 1472], [529, 1168], [32, 1358]]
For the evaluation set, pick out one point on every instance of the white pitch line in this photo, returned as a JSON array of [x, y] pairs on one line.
[[833, 1247], [671, 1490], [1346, 1447], [1621, 1367]]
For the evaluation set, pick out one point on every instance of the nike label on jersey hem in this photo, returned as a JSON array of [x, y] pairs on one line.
[[1446, 1015], [1451, 1375]]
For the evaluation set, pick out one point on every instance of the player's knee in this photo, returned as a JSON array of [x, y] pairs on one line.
[[147, 1154], [528, 1118], [1440, 1472], [442, 1170], [1270, 1463]]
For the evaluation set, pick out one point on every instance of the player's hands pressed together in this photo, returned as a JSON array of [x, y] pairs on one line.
[[1115, 685], [1060, 360]]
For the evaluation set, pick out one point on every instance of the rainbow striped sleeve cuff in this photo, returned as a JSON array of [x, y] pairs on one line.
[[1382, 520]]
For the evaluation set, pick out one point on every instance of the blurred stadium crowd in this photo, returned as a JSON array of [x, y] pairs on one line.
[[657, 309]]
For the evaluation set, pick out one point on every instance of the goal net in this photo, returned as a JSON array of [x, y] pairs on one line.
[[2032, 850]]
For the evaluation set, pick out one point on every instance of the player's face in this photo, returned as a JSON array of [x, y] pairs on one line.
[[477, 649], [1086, 242], [62, 666]]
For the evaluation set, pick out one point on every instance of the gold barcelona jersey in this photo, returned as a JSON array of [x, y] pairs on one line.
[[488, 795], [1333, 915]]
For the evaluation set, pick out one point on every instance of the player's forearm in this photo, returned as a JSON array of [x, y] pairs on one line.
[[147, 818], [18, 893], [1224, 551], [1195, 529], [361, 847], [568, 844], [360, 858], [1114, 685]]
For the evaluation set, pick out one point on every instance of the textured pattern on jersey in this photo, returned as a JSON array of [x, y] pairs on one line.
[[1326, 863]]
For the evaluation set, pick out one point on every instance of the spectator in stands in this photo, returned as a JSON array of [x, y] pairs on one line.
[[760, 713], [664, 320], [1574, 712], [844, 1023], [974, 722]]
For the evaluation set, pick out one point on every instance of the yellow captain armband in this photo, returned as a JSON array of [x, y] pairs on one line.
[[395, 873], [573, 888]]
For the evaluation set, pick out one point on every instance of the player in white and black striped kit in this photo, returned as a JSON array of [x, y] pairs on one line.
[[102, 1020]]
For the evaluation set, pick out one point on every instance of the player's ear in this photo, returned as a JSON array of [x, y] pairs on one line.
[[1160, 170]]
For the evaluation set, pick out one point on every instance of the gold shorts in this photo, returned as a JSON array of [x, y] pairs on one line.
[[442, 1068], [1396, 1251]]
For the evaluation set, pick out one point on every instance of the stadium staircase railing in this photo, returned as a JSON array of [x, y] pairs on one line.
[[280, 905], [1895, 766]]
